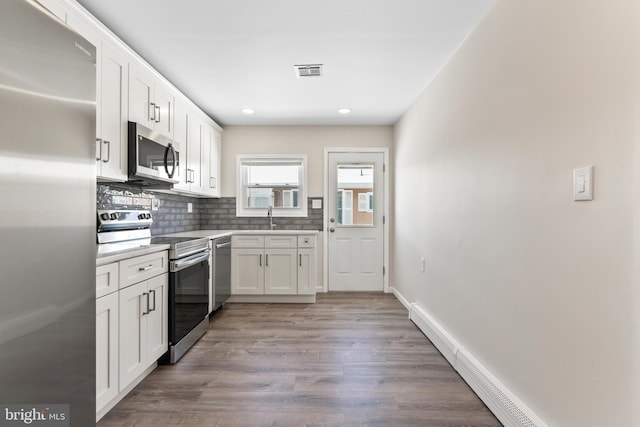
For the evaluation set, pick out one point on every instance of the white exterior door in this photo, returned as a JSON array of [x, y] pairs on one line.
[[356, 214]]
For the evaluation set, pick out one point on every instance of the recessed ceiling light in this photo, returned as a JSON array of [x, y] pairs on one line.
[[248, 110], [344, 110]]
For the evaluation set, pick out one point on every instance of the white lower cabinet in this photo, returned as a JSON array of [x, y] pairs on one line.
[[307, 271], [273, 265], [131, 324], [106, 349], [143, 330], [280, 269], [247, 271]]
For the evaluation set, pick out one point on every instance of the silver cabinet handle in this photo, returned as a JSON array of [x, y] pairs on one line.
[[146, 294], [152, 111], [260, 263], [158, 117], [267, 261], [98, 149], [145, 268], [300, 260], [154, 300], [108, 144]]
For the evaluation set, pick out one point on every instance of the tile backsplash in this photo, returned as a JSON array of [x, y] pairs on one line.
[[172, 215]]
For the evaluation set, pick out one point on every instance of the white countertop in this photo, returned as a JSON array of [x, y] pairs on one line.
[[214, 234], [112, 252], [107, 253]]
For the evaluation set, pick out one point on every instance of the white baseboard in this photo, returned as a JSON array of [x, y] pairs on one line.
[[505, 405], [401, 298]]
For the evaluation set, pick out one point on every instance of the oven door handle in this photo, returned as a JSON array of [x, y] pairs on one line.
[[187, 262]]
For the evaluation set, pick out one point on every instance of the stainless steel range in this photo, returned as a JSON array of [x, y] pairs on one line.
[[188, 273]]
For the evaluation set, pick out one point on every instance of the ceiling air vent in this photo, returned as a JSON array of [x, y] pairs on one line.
[[308, 70]]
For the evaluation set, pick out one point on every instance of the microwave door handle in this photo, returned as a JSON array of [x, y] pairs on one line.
[[173, 160]]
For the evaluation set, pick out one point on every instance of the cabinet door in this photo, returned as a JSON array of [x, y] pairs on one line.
[[247, 271], [133, 333], [211, 152], [281, 272], [113, 114], [141, 107], [106, 349], [194, 149], [163, 100], [180, 137], [307, 271], [106, 279], [158, 317]]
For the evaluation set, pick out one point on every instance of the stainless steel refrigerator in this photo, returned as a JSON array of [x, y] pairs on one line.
[[47, 219]]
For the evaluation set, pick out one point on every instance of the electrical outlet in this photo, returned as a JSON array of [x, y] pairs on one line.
[[155, 204], [423, 265], [189, 207]]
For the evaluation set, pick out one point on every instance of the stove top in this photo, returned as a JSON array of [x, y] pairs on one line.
[[132, 228]]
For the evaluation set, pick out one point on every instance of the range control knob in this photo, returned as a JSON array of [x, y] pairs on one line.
[[114, 216], [104, 216], [148, 215], [140, 216]]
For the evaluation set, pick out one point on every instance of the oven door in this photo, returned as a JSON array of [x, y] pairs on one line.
[[188, 294]]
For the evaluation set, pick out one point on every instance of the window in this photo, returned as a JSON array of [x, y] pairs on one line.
[[271, 181]]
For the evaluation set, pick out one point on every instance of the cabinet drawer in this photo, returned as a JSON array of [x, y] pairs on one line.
[[141, 268], [281, 241], [306, 241], [106, 279], [247, 241]]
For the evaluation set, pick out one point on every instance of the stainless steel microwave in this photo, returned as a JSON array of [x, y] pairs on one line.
[[154, 159]]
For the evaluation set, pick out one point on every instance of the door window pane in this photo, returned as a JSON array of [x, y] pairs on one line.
[[355, 194]]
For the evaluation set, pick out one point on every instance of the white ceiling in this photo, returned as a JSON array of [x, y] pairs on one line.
[[378, 55]]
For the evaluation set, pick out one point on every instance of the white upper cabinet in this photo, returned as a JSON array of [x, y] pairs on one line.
[[128, 89], [199, 141], [150, 101], [111, 103], [188, 134], [211, 160], [112, 114]]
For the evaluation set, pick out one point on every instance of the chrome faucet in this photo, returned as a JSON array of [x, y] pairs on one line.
[[270, 215]]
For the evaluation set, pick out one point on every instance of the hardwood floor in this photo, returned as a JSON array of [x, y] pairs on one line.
[[352, 359]]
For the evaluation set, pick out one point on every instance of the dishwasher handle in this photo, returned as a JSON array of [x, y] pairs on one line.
[[223, 245]]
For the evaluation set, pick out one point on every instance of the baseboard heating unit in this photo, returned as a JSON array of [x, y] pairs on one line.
[[510, 410]]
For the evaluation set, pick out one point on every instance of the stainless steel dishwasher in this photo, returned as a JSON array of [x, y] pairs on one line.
[[221, 271]]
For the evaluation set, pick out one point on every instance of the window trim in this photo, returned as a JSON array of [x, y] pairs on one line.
[[242, 159]]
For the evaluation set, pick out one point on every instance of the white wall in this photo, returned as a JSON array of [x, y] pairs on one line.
[[541, 289], [310, 140]]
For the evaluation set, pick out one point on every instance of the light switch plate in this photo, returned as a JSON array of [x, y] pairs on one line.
[[189, 207], [583, 183], [155, 204], [316, 204]]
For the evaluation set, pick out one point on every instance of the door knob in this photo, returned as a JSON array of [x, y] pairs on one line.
[[332, 220], [332, 229]]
